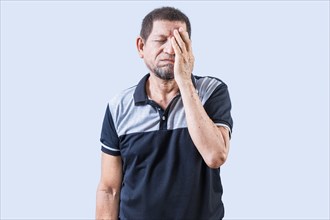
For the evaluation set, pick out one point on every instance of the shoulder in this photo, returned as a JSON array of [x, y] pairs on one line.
[[207, 85], [122, 98], [208, 82]]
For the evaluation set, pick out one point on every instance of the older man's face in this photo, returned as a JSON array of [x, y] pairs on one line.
[[158, 53]]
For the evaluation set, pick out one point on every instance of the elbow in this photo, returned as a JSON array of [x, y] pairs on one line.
[[214, 161], [111, 192]]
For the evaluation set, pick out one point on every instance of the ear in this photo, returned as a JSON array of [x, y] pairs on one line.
[[140, 46]]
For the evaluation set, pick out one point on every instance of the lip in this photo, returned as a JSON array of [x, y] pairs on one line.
[[167, 60]]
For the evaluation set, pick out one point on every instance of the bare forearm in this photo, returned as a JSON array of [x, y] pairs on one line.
[[206, 136], [107, 205], [204, 133]]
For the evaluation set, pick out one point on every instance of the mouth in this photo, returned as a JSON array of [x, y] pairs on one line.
[[168, 61]]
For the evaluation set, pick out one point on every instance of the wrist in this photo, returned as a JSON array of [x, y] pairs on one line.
[[184, 82], [186, 87]]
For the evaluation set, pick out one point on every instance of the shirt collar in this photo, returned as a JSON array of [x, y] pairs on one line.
[[140, 94]]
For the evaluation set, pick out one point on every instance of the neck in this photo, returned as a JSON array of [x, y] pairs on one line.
[[161, 91]]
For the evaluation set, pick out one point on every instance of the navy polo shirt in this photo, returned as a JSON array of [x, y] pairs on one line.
[[164, 176]]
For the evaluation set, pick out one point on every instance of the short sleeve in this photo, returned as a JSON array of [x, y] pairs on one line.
[[109, 137], [218, 107]]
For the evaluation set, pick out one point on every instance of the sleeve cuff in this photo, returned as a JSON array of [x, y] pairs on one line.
[[109, 150], [226, 126]]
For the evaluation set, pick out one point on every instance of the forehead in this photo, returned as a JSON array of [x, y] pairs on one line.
[[164, 27]]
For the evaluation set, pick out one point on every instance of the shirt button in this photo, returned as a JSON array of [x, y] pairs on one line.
[[163, 118]]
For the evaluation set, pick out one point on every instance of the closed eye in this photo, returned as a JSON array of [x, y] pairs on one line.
[[160, 41]]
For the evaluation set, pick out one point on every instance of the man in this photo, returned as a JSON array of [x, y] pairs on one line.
[[164, 140]]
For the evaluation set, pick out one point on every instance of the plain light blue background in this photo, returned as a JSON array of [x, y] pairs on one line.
[[61, 61]]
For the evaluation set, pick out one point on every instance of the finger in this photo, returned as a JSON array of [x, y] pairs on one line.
[[185, 37], [177, 49], [179, 40]]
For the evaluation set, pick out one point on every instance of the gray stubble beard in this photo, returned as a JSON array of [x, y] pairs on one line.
[[165, 72]]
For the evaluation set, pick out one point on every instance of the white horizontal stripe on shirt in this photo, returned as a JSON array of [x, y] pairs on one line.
[[109, 148]]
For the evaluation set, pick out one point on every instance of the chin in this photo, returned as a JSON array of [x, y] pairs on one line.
[[165, 73], [166, 77]]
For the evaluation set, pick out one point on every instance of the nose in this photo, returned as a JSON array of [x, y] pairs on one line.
[[168, 48]]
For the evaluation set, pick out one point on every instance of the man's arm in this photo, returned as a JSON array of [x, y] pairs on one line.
[[211, 141], [108, 191]]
